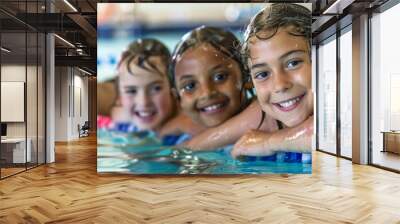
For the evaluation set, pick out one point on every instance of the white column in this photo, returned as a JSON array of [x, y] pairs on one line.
[[50, 93], [360, 90], [50, 100]]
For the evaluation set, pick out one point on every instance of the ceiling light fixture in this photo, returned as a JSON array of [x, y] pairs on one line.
[[84, 71], [70, 5], [5, 49], [337, 7], [331, 7], [64, 40]]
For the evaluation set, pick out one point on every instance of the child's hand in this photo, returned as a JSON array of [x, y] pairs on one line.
[[253, 143], [259, 143]]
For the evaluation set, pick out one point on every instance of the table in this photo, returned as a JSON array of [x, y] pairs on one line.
[[16, 147], [391, 141]]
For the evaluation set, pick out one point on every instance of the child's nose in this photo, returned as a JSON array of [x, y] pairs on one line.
[[207, 90], [143, 99], [281, 82]]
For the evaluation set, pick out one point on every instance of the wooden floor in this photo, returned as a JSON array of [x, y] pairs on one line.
[[70, 191]]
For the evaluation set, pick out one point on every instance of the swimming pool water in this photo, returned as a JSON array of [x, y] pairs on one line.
[[143, 153]]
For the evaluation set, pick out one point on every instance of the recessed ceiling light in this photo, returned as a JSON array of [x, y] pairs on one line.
[[338, 6], [64, 40], [84, 71], [70, 5], [5, 49]]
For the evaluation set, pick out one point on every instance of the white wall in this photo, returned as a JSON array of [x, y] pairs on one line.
[[12, 73], [71, 87], [81, 84], [61, 103], [33, 126]]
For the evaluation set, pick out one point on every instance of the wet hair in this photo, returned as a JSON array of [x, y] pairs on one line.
[[222, 40], [275, 16], [142, 50], [265, 24]]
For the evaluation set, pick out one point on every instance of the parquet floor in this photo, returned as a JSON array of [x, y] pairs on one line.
[[70, 191]]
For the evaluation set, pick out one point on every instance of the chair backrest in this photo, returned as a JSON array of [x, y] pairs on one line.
[[86, 125]]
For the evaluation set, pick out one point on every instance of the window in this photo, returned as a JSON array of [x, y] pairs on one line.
[[346, 92], [385, 89], [327, 95]]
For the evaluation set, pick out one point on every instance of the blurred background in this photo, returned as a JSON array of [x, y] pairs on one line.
[[120, 23]]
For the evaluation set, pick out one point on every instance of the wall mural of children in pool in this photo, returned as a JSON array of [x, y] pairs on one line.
[[217, 106]]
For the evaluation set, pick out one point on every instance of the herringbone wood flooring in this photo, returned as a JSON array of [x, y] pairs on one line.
[[70, 191]]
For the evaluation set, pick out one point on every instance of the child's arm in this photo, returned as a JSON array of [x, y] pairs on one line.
[[231, 130], [180, 124], [258, 143]]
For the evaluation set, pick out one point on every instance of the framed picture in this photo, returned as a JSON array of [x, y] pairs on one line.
[[195, 88]]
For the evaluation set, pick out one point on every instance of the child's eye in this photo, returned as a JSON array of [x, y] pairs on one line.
[[261, 75], [293, 64], [155, 89], [131, 91], [219, 77], [189, 87]]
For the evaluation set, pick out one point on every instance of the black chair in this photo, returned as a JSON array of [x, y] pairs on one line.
[[84, 130]]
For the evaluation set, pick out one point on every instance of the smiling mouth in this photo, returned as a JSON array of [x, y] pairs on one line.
[[145, 116], [214, 108], [289, 105]]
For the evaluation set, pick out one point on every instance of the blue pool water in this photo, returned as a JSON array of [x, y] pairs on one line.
[[143, 153]]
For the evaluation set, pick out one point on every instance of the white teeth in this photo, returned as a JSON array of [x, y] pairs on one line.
[[144, 114], [212, 107], [289, 102]]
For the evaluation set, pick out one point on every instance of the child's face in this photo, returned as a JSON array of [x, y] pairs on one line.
[[209, 85], [281, 73], [146, 95]]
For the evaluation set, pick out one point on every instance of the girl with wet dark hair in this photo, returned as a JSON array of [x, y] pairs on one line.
[[209, 75], [212, 84], [145, 89], [277, 53], [221, 40]]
